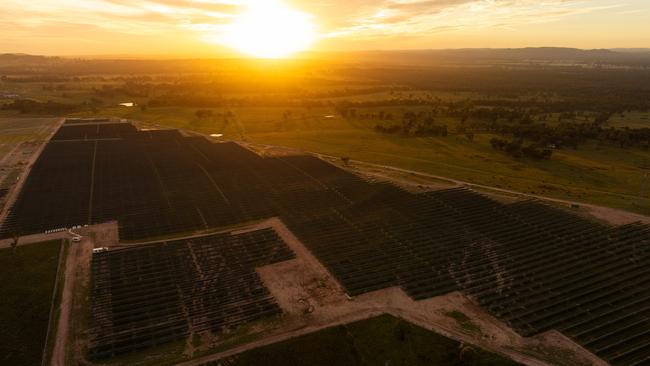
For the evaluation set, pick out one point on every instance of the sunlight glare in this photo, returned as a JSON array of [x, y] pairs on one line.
[[270, 29]]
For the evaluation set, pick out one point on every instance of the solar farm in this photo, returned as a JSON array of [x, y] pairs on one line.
[[533, 266], [150, 295]]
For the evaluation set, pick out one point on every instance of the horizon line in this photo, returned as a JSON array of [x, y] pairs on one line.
[[304, 55]]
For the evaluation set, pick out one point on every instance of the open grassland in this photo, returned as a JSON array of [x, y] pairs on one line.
[[383, 340], [15, 130], [28, 278], [630, 119], [593, 173]]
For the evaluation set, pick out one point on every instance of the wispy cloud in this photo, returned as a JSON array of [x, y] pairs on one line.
[[632, 11], [420, 17], [345, 19], [129, 17]]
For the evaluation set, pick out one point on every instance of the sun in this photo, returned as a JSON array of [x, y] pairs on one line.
[[270, 29]]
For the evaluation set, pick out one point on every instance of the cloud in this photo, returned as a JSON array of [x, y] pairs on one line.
[[421, 17], [336, 19], [124, 16]]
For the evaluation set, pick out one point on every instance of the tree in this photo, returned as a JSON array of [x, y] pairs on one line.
[[203, 113], [514, 149], [345, 159]]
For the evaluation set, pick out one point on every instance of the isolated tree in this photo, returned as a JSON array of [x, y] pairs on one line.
[[345, 159], [514, 149], [203, 113]]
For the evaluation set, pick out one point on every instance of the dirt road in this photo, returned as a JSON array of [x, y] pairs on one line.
[[76, 263]]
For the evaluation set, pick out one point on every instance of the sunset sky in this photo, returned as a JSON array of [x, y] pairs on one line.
[[205, 27]]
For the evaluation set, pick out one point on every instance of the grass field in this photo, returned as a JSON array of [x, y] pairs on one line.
[[604, 175], [383, 340], [631, 120], [15, 130], [28, 278]]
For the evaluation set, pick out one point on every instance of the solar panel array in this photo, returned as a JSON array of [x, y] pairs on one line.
[[534, 266], [151, 295]]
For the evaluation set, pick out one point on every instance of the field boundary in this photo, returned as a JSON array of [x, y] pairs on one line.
[[62, 259]]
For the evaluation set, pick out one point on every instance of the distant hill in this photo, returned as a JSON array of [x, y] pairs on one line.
[[18, 63], [506, 55], [12, 64], [21, 58], [633, 50]]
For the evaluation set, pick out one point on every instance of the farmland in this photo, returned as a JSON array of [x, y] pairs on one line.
[[25, 310], [18, 130]]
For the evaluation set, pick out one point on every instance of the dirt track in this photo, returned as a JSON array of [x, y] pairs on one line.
[[58, 353], [77, 264]]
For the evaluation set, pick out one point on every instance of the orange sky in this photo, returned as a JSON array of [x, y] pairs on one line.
[[194, 27]]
